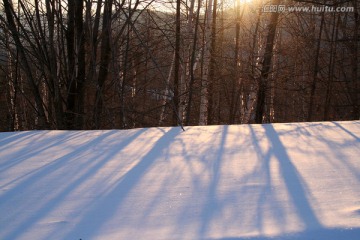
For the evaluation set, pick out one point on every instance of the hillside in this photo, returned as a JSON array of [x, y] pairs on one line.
[[281, 181]]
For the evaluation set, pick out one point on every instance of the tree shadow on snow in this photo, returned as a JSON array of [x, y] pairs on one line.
[[104, 208], [320, 234], [294, 184], [78, 165], [212, 205]]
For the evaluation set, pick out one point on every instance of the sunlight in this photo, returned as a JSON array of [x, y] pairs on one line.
[[245, 1], [240, 3]]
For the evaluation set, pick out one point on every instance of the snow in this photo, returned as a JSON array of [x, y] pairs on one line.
[[273, 181]]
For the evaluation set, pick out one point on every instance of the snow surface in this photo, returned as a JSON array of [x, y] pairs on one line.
[[279, 181]]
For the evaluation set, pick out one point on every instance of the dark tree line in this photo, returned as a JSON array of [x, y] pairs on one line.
[[85, 64]]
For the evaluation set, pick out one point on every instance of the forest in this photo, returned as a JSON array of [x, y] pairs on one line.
[[120, 64]]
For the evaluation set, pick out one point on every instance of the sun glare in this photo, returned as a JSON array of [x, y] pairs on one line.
[[243, 2]]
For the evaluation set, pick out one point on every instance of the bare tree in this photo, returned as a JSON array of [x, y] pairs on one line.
[[266, 64]]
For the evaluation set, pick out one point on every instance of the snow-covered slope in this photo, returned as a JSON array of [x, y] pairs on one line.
[[282, 181]]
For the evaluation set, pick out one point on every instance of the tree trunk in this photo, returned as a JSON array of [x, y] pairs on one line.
[[42, 122], [355, 71], [212, 64], [266, 66], [316, 71], [203, 118], [57, 99], [192, 64], [331, 69], [176, 96], [76, 64], [104, 62]]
